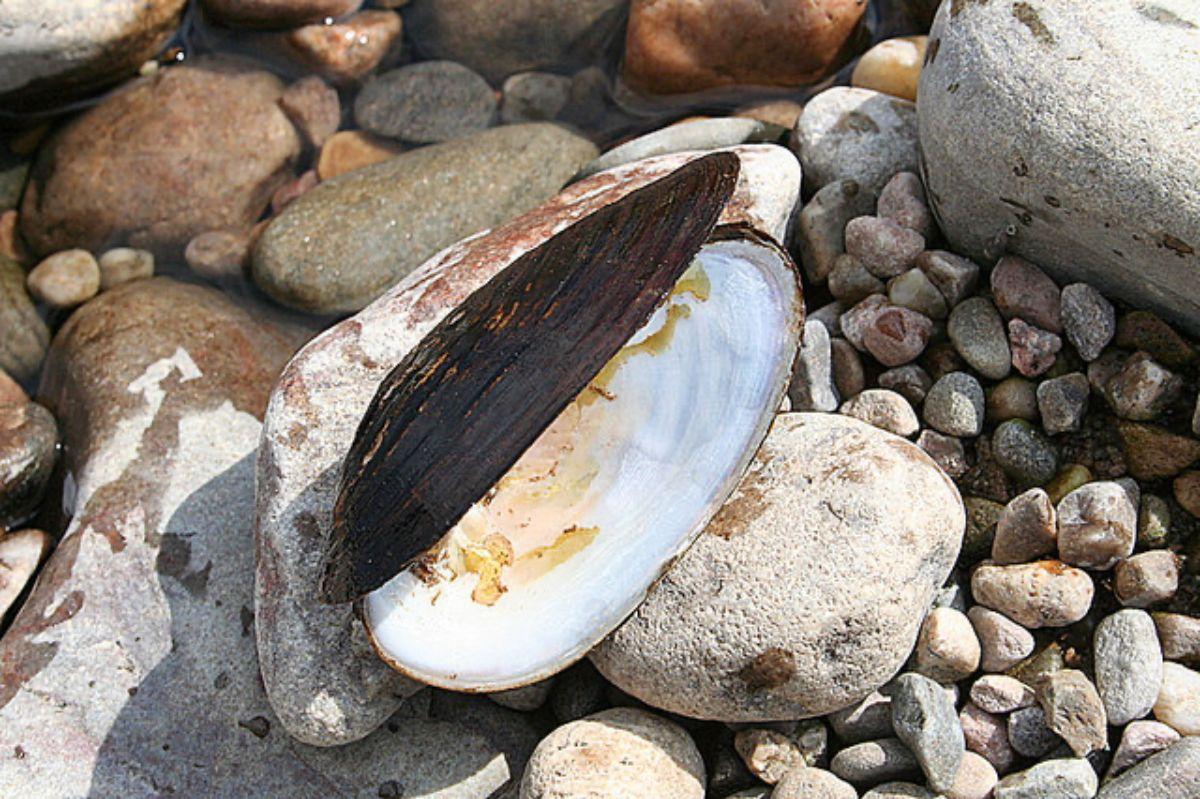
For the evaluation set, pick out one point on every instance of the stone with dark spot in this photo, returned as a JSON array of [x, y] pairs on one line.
[[118, 677], [835, 565], [1022, 152]]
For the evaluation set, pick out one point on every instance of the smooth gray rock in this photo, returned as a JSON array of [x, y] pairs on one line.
[[1024, 453], [325, 683], [856, 134], [1128, 664], [955, 405], [867, 719], [341, 244], [1019, 135], [1050, 779], [978, 334], [812, 386], [534, 97], [1029, 734], [873, 762], [807, 589], [426, 102], [699, 134], [924, 718], [1173, 773]]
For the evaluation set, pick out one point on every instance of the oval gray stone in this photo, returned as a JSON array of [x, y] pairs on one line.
[[1129, 665]]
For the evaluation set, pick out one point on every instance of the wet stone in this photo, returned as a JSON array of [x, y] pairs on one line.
[[220, 256], [955, 276], [885, 248], [892, 66], [850, 282], [1074, 710], [1035, 595], [902, 200], [348, 150], [348, 50], [1142, 389], [955, 405], [1025, 291], [122, 264], [913, 289], [533, 97], [978, 334], [1147, 578], [65, 279], [23, 345], [924, 718], [29, 441], [884, 409], [947, 452], [1128, 665], [999, 693], [1089, 321], [1033, 350], [426, 102], [1097, 525], [1026, 529], [1051, 779], [1062, 402], [1003, 643]]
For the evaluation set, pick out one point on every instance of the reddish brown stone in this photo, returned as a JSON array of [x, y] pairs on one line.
[[276, 13], [346, 51], [678, 46]]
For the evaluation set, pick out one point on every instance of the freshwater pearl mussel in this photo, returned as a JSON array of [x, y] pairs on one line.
[[527, 472]]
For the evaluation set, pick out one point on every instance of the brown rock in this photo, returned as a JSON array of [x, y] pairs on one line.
[[25, 336], [286, 194], [1022, 290], [314, 109], [348, 50], [11, 392], [1147, 578], [679, 46], [1143, 330], [11, 244], [1187, 492], [28, 449], [1073, 710], [1026, 529], [1044, 594], [1153, 452], [106, 177], [348, 150], [219, 255], [276, 13], [1179, 635]]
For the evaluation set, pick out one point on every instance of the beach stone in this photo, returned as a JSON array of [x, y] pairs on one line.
[[1089, 320], [850, 282], [105, 178], [533, 97], [1033, 350], [21, 552], [1142, 389], [849, 377], [684, 46], [812, 386], [26, 336], [1128, 665], [1026, 529], [123, 264], [326, 686], [913, 289], [999, 693], [947, 647], [892, 66], [947, 452], [954, 275], [138, 641], [314, 108], [348, 50], [855, 321], [613, 754], [1145, 331], [276, 13], [896, 336], [344, 242], [53, 53], [1074, 710], [975, 779], [65, 279], [698, 134], [909, 381], [821, 224], [812, 783], [955, 405], [865, 720], [1097, 525], [1179, 635], [426, 103], [1014, 397], [28, 451], [1024, 453], [1051, 779], [348, 150], [1186, 488], [1152, 452], [792, 658], [977, 332], [873, 762], [1035, 595], [1062, 402], [856, 134], [1147, 578], [768, 754], [1024, 291], [924, 718], [220, 256], [1029, 734], [885, 248], [1003, 643], [902, 200], [986, 735], [1140, 740], [1131, 230], [1178, 702], [1170, 774]]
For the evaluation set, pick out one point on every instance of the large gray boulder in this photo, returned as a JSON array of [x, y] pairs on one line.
[[1068, 133]]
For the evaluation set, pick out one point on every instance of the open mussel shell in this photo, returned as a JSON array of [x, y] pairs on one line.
[[497, 549]]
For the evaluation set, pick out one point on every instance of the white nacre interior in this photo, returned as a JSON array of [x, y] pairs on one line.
[[569, 541]]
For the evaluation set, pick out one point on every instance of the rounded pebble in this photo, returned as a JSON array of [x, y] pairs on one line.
[[1024, 452], [812, 783], [1048, 593], [884, 409], [1147, 578], [65, 279], [1097, 525], [947, 649], [123, 264], [1026, 529], [885, 248], [955, 405], [1178, 702], [1128, 665], [892, 66], [977, 331], [1003, 643], [1089, 320], [426, 102]]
